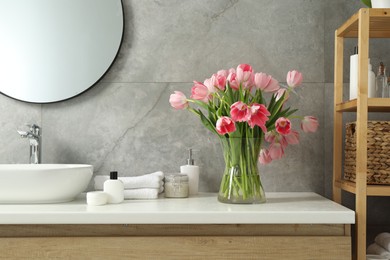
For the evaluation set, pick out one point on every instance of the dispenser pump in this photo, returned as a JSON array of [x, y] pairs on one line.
[[355, 50], [113, 175], [190, 160]]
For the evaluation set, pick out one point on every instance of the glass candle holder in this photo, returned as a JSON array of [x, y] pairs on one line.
[[176, 186]]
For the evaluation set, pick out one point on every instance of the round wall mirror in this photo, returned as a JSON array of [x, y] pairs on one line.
[[53, 50]]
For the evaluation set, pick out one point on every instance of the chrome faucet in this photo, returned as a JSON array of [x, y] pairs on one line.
[[34, 136]]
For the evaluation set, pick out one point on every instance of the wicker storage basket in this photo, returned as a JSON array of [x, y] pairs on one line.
[[378, 152]]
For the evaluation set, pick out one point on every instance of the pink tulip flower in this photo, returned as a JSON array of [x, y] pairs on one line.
[[264, 157], [244, 76], [283, 142], [210, 86], [270, 137], [294, 78], [218, 81], [178, 100], [240, 112], [258, 116], [232, 78], [292, 137], [276, 151], [279, 94], [266, 83], [309, 124], [273, 136], [200, 92], [232, 70], [244, 72], [225, 125], [283, 126], [224, 73]]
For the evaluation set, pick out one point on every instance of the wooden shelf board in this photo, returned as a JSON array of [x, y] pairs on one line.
[[379, 24], [349, 28], [346, 185], [374, 105], [372, 190]]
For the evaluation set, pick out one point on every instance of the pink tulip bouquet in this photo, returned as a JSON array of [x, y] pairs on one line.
[[232, 104]]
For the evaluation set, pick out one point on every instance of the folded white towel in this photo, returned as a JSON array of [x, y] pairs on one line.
[[151, 180], [145, 193], [383, 239], [159, 174], [376, 249]]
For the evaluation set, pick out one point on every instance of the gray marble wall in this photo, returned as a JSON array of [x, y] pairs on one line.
[[125, 122]]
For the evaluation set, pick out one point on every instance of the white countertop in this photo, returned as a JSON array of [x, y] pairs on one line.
[[280, 208]]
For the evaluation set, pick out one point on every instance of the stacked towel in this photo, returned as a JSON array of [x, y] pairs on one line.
[[381, 246], [383, 239], [147, 186]]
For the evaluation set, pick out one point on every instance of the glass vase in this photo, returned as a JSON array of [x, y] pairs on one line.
[[241, 182]]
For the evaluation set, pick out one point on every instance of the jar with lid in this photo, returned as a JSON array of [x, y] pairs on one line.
[[176, 186]]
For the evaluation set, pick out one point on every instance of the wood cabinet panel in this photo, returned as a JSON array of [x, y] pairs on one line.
[[178, 247]]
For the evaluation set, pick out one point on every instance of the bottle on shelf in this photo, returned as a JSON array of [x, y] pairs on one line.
[[371, 81], [388, 84], [353, 74], [381, 89]]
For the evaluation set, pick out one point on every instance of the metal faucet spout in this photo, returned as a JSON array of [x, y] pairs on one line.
[[34, 136]]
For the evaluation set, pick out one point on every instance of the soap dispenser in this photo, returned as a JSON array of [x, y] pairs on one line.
[[192, 171], [114, 189]]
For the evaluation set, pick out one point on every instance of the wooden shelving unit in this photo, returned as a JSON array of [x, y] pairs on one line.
[[365, 24], [373, 105]]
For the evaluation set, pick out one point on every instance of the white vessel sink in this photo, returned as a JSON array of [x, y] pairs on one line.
[[43, 183]]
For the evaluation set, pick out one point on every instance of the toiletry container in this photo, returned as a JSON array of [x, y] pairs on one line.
[[96, 198], [371, 81], [353, 74], [381, 88], [176, 186], [114, 189], [385, 90], [192, 171]]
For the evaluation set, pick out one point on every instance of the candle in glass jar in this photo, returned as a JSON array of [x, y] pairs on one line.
[[176, 186]]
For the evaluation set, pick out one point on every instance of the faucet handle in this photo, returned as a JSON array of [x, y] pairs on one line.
[[35, 129], [33, 126], [22, 133]]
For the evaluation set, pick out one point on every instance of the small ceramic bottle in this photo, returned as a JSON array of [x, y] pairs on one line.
[[114, 189]]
